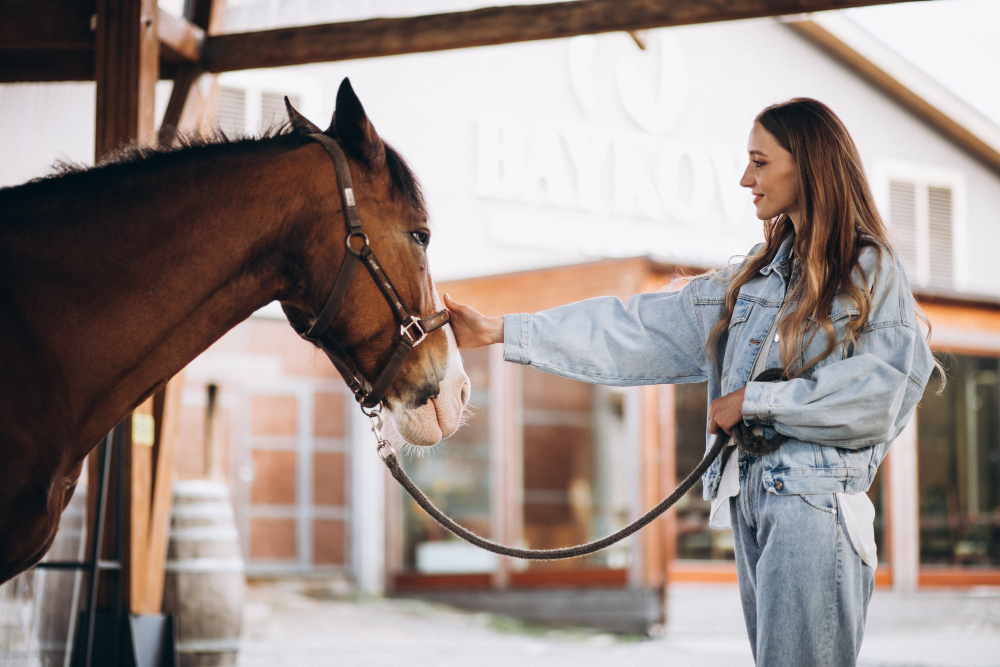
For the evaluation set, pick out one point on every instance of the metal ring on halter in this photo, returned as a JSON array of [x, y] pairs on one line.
[[360, 235], [404, 330]]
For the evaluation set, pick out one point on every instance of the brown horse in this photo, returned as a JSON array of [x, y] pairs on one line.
[[113, 278]]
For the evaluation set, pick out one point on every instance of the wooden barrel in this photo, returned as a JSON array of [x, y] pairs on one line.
[[205, 579], [59, 593]]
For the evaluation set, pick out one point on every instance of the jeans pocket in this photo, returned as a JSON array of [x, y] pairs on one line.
[[824, 502]]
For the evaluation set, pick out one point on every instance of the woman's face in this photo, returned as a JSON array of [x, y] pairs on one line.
[[772, 176]]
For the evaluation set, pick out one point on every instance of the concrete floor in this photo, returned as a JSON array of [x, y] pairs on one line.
[[312, 623]]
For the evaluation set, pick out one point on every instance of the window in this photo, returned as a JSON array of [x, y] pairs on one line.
[[695, 540], [250, 103], [958, 440], [575, 480], [923, 207]]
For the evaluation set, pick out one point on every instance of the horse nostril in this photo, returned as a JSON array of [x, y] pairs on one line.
[[465, 392]]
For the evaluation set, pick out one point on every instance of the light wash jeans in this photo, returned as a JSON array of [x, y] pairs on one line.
[[803, 587]]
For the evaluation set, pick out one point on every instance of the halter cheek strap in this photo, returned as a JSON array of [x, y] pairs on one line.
[[412, 329]]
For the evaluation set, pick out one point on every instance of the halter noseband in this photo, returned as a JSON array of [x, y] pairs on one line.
[[412, 329]]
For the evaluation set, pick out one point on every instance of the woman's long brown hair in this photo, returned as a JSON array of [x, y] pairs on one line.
[[839, 220]]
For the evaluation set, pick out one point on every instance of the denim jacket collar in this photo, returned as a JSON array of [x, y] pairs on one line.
[[781, 262]]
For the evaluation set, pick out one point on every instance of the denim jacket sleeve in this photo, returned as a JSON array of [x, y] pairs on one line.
[[865, 398], [658, 338]]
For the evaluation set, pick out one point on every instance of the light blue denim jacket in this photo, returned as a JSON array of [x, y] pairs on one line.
[[840, 416]]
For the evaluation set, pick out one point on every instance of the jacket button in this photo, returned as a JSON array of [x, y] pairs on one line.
[[778, 486]]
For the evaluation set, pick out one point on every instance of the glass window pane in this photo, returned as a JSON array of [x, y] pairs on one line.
[[694, 538], [959, 465], [574, 468]]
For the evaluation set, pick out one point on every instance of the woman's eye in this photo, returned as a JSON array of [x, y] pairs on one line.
[[422, 238], [758, 164]]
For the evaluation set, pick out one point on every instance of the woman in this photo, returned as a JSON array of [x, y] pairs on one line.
[[825, 300]]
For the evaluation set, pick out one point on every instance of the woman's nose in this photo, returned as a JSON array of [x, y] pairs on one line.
[[746, 181]]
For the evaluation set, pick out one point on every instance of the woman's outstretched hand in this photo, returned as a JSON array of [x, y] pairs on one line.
[[726, 412], [472, 328]]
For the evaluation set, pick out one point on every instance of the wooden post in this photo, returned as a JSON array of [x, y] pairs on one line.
[[652, 462], [162, 496], [668, 471], [141, 478], [127, 67]]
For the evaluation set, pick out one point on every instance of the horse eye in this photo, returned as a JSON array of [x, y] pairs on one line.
[[422, 238]]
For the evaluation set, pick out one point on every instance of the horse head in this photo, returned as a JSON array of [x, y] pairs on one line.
[[430, 391]]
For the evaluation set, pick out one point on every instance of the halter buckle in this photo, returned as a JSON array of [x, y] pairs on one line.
[[360, 235], [406, 331]]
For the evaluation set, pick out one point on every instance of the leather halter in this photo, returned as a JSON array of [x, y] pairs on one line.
[[412, 329]]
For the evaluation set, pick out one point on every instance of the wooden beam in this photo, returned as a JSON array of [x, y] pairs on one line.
[[140, 493], [161, 502], [126, 68], [185, 106], [901, 80], [18, 65], [181, 38], [187, 111], [483, 27], [46, 24], [209, 15]]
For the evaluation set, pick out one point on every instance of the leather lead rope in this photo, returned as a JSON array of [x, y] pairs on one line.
[[400, 475], [742, 435]]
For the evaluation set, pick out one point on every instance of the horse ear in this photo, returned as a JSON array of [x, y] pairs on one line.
[[356, 132], [300, 124]]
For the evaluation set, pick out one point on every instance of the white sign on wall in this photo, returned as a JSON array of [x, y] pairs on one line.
[[626, 166]]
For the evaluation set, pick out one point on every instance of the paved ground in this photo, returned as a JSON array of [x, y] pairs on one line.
[[308, 624]]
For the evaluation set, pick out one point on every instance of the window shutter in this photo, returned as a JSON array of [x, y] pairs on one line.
[[903, 223], [272, 109], [939, 229], [230, 115], [921, 221]]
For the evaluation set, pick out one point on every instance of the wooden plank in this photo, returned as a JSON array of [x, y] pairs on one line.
[[186, 105], [181, 38], [141, 479], [483, 27], [17, 65], [158, 534], [188, 111], [209, 15], [126, 68], [46, 24]]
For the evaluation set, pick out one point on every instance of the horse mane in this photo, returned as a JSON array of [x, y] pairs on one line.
[[136, 161]]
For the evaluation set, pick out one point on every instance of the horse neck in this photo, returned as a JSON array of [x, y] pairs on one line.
[[152, 271]]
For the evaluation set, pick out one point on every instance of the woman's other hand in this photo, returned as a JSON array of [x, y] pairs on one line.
[[472, 328], [726, 412]]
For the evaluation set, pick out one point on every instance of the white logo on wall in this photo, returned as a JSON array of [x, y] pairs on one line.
[[627, 158], [651, 84]]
